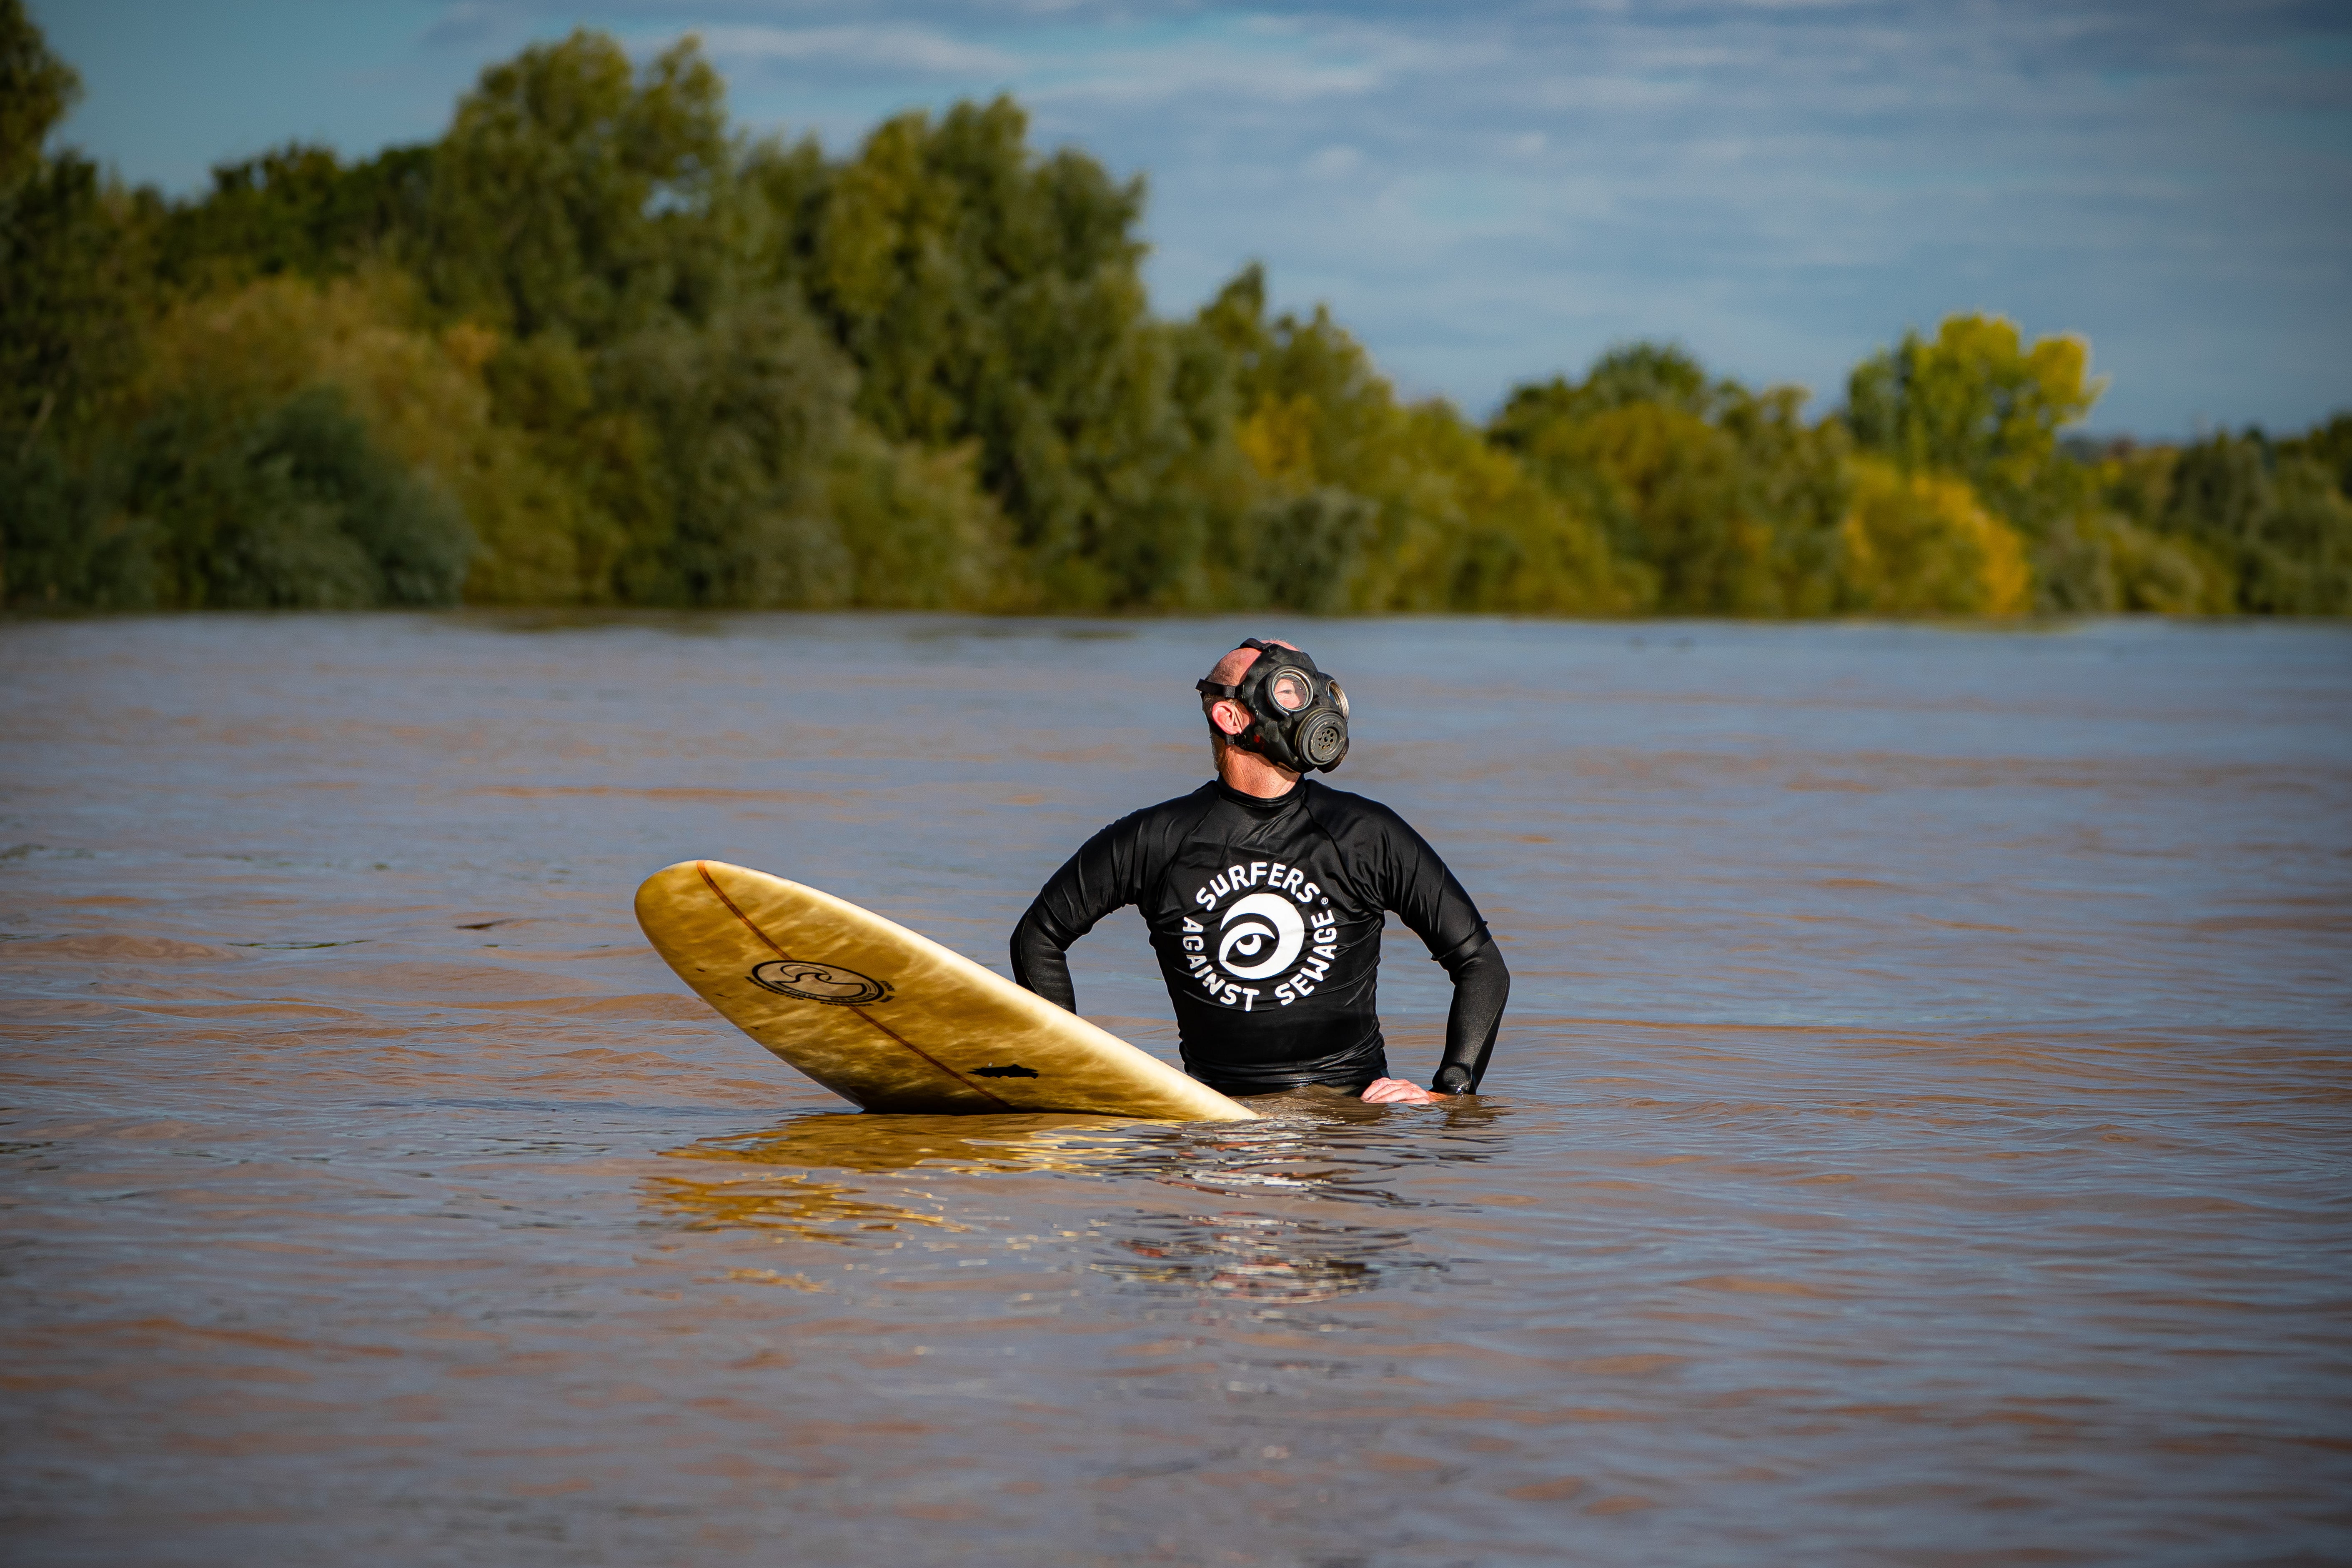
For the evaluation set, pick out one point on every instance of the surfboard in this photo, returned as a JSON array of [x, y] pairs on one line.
[[890, 1020]]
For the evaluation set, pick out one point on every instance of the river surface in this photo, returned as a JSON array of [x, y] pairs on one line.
[[1922, 1132]]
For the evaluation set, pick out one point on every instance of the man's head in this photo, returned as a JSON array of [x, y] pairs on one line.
[[1227, 717], [1267, 698]]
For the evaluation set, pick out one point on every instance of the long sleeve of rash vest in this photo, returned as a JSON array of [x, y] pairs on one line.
[[1481, 986], [1042, 964], [1103, 876]]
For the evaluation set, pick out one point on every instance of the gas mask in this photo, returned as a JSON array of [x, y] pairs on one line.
[[1298, 715]]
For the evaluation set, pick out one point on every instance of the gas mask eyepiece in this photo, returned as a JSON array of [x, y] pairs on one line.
[[1298, 715]]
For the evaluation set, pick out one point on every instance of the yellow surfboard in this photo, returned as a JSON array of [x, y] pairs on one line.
[[890, 1020]]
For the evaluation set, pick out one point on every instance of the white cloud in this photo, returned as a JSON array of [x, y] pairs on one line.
[[1211, 68], [1334, 161], [887, 47]]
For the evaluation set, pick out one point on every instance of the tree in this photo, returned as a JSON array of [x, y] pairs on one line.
[[1369, 504], [2278, 523], [1920, 544], [422, 397], [299, 210], [36, 90], [72, 293], [990, 295], [2329, 446], [294, 508], [73, 289], [652, 363], [1719, 499], [1974, 401], [577, 195], [70, 256]]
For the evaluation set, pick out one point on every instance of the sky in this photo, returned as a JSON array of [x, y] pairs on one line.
[[1488, 194]]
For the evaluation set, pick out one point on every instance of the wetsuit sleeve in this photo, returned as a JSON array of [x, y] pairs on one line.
[[1481, 986], [1426, 897], [1104, 875]]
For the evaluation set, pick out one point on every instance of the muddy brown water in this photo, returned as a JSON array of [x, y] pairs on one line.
[[1919, 1134]]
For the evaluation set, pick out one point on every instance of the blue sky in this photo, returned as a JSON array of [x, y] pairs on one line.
[[1488, 194]]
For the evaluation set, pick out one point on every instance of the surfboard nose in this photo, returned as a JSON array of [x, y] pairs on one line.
[[887, 1019]]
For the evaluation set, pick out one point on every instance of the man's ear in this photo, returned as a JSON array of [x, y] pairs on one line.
[[1227, 715]]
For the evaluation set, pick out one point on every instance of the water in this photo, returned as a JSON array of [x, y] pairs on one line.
[[1919, 1135]]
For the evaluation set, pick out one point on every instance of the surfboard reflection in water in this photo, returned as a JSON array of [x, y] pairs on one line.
[[793, 1205], [853, 1140], [1314, 1146]]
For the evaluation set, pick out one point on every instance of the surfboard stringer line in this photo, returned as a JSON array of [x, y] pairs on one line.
[[749, 924]]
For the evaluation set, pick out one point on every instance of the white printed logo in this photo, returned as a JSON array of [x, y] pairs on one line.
[[1278, 924], [1252, 926]]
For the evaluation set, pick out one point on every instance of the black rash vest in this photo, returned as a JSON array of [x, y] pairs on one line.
[[1266, 917]]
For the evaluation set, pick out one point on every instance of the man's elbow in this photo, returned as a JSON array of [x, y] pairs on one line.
[[1028, 947], [1482, 962]]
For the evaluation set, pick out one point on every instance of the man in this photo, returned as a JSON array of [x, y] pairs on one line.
[[1263, 891]]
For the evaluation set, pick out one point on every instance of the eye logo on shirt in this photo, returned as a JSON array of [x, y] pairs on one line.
[[1255, 925], [1277, 924]]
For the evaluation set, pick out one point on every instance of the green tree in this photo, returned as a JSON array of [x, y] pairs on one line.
[[722, 462], [592, 345], [65, 540], [1722, 501], [607, 223], [1370, 504], [295, 509], [990, 295], [72, 295], [422, 395], [576, 195], [2278, 523], [2329, 446], [36, 90], [299, 210], [71, 253]]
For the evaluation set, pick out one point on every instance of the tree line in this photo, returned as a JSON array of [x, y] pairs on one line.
[[597, 346]]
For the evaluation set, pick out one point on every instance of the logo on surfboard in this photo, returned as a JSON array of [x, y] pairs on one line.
[[813, 982]]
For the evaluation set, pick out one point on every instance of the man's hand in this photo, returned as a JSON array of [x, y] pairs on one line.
[[1397, 1092]]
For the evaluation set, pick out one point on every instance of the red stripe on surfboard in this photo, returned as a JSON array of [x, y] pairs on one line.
[[710, 882]]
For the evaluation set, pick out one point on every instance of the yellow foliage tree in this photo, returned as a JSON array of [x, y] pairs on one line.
[[422, 397], [1974, 400], [1374, 505], [1468, 527], [1921, 543], [1713, 499], [1278, 438]]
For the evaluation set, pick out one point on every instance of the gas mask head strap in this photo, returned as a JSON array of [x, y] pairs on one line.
[[1233, 693]]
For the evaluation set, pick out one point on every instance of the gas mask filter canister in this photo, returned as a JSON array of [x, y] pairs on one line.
[[1298, 715]]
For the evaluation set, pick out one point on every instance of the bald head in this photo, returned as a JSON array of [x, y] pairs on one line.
[[1228, 670], [1226, 717]]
